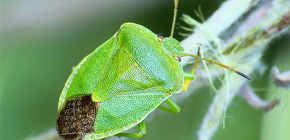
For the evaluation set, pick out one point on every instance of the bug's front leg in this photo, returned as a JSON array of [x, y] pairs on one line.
[[141, 131], [188, 77]]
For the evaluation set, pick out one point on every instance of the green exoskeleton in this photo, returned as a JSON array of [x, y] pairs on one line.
[[120, 83]]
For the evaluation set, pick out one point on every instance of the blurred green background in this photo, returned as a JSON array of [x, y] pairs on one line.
[[42, 40]]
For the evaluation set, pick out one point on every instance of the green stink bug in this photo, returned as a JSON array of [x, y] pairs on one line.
[[104, 97]]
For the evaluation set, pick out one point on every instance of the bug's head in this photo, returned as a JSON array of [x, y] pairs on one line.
[[172, 46]]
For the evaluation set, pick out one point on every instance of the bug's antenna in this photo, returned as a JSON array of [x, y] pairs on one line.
[[174, 18], [220, 64]]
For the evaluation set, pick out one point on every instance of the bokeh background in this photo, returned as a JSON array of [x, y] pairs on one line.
[[42, 40]]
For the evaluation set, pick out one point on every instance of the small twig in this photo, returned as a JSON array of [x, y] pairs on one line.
[[281, 79], [255, 101], [48, 135]]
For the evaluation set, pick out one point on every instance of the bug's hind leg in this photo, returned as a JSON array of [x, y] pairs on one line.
[[141, 131], [173, 107]]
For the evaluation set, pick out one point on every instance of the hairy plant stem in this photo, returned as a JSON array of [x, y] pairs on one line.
[[242, 49]]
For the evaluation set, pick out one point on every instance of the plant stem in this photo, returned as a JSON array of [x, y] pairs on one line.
[[246, 43]]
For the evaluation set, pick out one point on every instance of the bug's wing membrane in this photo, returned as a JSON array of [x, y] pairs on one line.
[[89, 72], [123, 75], [126, 110]]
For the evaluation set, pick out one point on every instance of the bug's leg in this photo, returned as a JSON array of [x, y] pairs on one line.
[[189, 76], [141, 131], [187, 81], [173, 107]]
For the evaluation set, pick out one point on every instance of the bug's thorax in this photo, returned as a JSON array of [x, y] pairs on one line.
[[172, 47]]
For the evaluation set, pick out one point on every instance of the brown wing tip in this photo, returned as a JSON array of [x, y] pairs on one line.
[[77, 118]]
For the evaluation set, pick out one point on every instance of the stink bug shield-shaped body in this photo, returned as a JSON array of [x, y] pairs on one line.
[[116, 86], [123, 80]]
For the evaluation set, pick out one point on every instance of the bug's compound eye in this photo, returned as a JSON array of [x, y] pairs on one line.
[[178, 58], [160, 38]]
